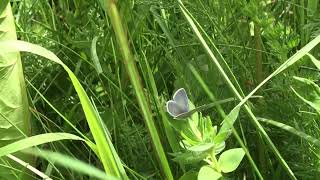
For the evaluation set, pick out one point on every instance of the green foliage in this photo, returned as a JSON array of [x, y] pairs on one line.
[[207, 172], [210, 48], [105, 150], [230, 159], [14, 112], [201, 142]]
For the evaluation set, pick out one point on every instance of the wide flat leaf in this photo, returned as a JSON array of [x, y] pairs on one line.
[[208, 173], [190, 175], [229, 160], [13, 98], [14, 108]]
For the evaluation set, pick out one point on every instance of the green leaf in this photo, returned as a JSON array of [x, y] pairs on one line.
[[229, 160], [3, 5], [229, 120], [14, 108], [219, 147], [201, 147], [190, 175], [309, 93], [208, 173], [36, 140], [189, 157], [221, 137]]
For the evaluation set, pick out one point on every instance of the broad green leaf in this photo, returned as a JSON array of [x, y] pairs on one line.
[[71, 163], [3, 5], [110, 160], [14, 108], [229, 120], [13, 98], [208, 173], [230, 159], [34, 141], [190, 175]]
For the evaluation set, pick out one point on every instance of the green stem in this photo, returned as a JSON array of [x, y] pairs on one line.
[[132, 71], [215, 162]]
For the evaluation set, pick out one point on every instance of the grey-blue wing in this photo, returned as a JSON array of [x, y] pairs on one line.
[[181, 98], [174, 109]]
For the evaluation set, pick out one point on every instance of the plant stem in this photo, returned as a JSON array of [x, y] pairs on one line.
[[215, 161], [135, 79]]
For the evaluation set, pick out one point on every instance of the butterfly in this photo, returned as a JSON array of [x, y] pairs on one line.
[[179, 108]]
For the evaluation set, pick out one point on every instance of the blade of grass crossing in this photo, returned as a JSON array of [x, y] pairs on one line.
[[237, 94], [131, 68], [105, 151], [292, 130], [223, 115], [71, 163]]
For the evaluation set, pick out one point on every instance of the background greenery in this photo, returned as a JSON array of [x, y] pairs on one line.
[[254, 38]]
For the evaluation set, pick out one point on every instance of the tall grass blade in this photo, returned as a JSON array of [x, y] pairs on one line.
[[106, 156], [129, 62]]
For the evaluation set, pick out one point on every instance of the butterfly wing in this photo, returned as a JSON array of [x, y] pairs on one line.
[[174, 109], [181, 98]]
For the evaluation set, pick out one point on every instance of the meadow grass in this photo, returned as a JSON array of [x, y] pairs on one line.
[[121, 61]]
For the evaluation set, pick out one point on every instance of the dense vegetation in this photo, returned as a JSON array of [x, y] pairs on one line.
[[90, 96]]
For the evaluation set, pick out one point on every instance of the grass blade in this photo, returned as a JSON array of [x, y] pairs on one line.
[[292, 130], [111, 165], [36, 140], [71, 163], [132, 71]]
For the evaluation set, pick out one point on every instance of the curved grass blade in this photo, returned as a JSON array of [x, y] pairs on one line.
[[111, 162], [71, 163], [36, 140], [292, 130]]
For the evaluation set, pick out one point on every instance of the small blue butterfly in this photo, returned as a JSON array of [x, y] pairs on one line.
[[179, 108], [179, 105]]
